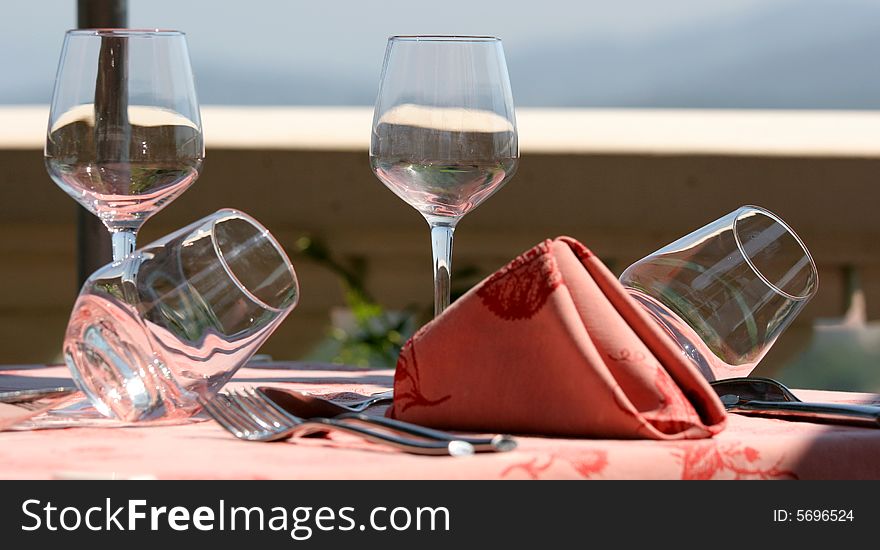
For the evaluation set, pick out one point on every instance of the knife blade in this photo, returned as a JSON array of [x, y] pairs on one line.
[[25, 396], [832, 413]]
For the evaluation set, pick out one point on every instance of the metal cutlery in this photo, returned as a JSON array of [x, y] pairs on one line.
[[28, 395], [760, 396], [20, 406], [310, 406], [358, 406], [249, 415]]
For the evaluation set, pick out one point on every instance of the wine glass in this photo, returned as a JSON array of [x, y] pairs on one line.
[[726, 291], [125, 135], [444, 133]]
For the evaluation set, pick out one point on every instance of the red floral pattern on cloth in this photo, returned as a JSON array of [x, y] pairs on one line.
[[521, 288], [621, 399], [586, 465], [728, 461], [578, 346], [580, 250], [675, 413], [407, 389], [626, 355], [750, 447]]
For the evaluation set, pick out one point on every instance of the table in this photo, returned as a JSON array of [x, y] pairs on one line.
[[748, 448]]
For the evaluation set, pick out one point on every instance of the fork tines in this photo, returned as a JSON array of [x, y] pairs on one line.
[[249, 415], [246, 417]]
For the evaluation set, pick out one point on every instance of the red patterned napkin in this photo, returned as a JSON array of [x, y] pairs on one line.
[[552, 344]]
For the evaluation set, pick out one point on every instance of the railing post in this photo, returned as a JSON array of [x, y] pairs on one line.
[[92, 238]]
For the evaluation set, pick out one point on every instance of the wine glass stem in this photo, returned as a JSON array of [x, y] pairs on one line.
[[441, 245], [123, 243]]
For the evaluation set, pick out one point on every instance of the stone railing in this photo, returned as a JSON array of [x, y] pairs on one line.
[[624, 182]]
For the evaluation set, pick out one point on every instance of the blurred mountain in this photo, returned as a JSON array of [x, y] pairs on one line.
[[798, 55], [780, 54], [819, 55]]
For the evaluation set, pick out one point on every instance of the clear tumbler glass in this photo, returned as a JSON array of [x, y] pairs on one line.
[[727, 291], [175, 320]]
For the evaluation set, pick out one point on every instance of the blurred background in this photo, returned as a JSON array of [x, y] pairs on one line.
[[639, 120], [777, 54]]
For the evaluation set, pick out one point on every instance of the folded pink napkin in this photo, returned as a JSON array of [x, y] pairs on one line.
[[552, 344]]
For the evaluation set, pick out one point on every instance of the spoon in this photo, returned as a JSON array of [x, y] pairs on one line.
[[310, 406], [359, 406], [760, 396]]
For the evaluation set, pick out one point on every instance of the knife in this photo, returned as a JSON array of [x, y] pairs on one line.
[[766, 397], [26, 396]]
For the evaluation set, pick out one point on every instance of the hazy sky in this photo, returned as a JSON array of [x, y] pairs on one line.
[[346, 40], [341, 36], [352, 33]]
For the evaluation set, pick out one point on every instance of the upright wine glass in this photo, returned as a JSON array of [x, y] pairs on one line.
[[125, 135], [444, 132]]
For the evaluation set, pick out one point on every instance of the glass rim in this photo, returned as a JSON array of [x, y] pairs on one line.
[[442, 38], [231, 213], [125, 32], [739, 245]]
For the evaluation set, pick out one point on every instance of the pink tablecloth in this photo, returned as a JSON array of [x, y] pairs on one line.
[[747, 448]]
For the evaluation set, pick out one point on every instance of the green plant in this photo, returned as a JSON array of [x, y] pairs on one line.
[[366, 334], [369, 336]]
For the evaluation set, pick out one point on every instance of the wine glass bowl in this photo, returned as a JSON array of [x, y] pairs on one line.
[[124, 135], [444, 135], [448, 183]]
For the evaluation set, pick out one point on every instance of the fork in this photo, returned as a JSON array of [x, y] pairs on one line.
[[251, 417]]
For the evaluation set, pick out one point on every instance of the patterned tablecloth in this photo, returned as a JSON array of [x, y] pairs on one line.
[[747, 448]]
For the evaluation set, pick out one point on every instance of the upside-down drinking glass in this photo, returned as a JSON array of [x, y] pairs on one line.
[[444, 132], [125, 135], [727, 291], [173, 321]]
